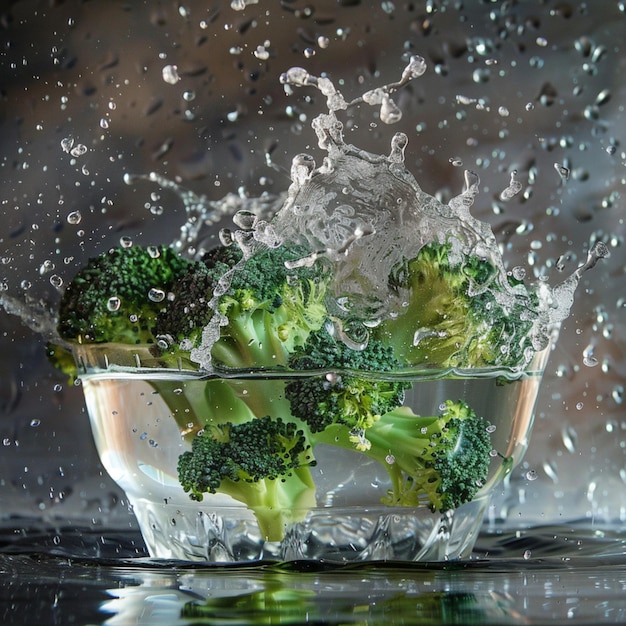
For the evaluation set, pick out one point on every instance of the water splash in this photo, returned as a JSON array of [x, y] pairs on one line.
[[365, 213]]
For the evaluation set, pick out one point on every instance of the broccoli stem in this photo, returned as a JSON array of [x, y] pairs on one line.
[[276, 503]]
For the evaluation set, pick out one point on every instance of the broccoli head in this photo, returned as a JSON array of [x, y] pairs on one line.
[[118, 295], [441, 461], [268, 305], [343, 392], [263, 463], [460, 312]]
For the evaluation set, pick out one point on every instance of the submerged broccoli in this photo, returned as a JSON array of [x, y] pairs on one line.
[[437, 461], [263, 463], [458, 313], [345, 395]]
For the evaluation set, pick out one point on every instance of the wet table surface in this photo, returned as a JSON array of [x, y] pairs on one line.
[[547, 575]]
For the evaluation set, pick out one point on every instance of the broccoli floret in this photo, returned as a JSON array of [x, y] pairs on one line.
[[459, 312], [117, 296], [180, 324], [441, 461], [269, 307], [345, 395], [263, 463]]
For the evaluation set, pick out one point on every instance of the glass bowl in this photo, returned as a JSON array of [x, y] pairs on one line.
[[144, 417]]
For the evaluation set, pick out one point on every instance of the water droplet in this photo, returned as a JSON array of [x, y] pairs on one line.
[[126, 242], [562, 171], [323, 42], [262, 53], [78, 150], [67, 143], [389, 111], [532, 475], [156, 295], [35, 422], [114, 303], [514, 187], [295, 76], [579, 406], [104, 123], [74, 217], [56, 281], [170, 74], [527, 554]]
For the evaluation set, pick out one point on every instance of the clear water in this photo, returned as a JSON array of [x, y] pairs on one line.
[[141, 426]]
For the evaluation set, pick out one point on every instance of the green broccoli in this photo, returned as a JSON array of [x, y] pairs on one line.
[[345, 395], [458, 313], [440, 461], [253, 438], [118, 295], [269, 308], [263, 463]]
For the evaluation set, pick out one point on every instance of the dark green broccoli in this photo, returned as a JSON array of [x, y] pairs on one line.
[[180, 324], [117, 296], [343, 393], [263, 463], [459, 313], [440, 461]]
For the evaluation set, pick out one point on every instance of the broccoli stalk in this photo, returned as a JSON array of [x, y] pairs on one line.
[[263, 463], [439, 461]]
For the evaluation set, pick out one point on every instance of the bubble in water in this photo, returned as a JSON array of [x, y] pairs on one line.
[[170, 74], [46, 266]]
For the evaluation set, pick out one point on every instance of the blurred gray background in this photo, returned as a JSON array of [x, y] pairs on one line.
[[535, 87]]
